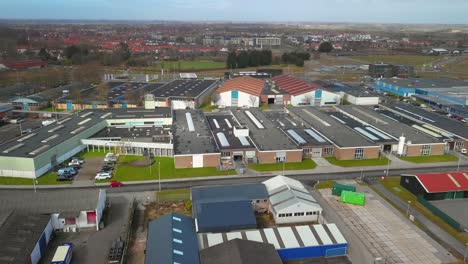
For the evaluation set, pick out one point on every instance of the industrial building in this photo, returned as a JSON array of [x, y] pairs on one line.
[[401, 139], [194, 146], [348, 144], [438, 185], [238, 251], [290, 201], [273, 146], [383, 70], [227, 207], [448, 130], [435, 91], [171, 239], [23, 237], [181, 94], [291, 243], [242, 91], [303, 93], [351, 94]]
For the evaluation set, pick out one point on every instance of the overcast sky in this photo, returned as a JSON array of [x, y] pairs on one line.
[[384, 11]]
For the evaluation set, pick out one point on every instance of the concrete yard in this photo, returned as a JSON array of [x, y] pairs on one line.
[[386, 232], [457, 209]]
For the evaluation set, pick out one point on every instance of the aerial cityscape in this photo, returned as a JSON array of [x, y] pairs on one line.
[[234, 132]]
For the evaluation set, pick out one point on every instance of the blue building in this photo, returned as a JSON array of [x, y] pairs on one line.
[[172, 239], [297, 242], [228, 207]]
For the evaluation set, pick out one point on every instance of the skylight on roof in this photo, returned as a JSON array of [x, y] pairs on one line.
[[15, 147], [178, 252], [49, 138], [176, 218], [84, 121], [56, 128], [77, 130], [190, 125], [40, 149], [87, 114], [64, 120], [177, 230], [254, 120], [177, 240], [26, 137], [106, 115]]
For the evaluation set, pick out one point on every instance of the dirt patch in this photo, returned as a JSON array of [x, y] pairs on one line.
[[138, 163]]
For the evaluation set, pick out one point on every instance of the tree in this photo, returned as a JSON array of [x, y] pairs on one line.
[[307, 100], [252, 100], [103, 91], [215, 97], [231, 61], [243, 59], [44, 55], [325, 47]]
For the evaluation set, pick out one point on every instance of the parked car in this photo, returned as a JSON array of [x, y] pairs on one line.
[[463, 150], [110, 157], [74, 163], [107, 168], [77, 159], [115, 183], [64, 177], [69, 170], [103, 175]]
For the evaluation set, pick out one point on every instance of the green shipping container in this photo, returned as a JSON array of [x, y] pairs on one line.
[[356, 198], [338, 188]]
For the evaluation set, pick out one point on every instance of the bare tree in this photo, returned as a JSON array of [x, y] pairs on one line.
[[307, 100], [103, 91], [252, 100], [215, 97]]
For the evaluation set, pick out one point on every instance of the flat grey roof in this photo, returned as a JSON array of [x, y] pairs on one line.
[[441, 82], [183, 88], [336, 87], [218, 124], [453, 126], [192, 142], [46, 137], [19, 234], [338, 133], [268, 138], [138, 134], [51, 201], [390, 126]]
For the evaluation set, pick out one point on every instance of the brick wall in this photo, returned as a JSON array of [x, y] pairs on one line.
[[183, 162], [413, 150], [438, 149], [266, 157], [211, 160], [344, 154], [371, 153], [294, 156]]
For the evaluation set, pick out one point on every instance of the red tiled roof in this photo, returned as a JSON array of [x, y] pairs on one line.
[[294, 86], [247, 85], [444, 182]]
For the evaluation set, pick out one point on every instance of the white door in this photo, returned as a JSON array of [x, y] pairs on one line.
[[316, 152], [197, 161]]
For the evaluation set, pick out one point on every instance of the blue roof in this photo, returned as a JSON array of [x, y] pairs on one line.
[[225, 216], [229, 193], [172, 239]]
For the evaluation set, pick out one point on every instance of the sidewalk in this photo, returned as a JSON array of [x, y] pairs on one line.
[[433, 228]]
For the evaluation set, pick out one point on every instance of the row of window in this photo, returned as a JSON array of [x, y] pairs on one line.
[[297, 214]]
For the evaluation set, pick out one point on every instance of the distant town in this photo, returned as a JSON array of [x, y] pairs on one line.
[[214, 142]]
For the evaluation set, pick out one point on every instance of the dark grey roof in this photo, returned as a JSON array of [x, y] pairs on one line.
[[138, 134], [192, 142], [332, 129], [121, 91], [394, 128], [61, 131], [336, 87], [267, 138], [442, 122], [441, 82], [19, 234], [183, 88], [51, 202], [172, 239], [234, 142], [224, 216], [238, 251], [228, 193]]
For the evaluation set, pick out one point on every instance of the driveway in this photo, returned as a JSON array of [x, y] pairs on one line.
[[89, 169]]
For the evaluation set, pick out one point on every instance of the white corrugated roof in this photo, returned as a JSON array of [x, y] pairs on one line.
[[280, 180]]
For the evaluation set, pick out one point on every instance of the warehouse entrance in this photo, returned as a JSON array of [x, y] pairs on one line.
[[387, 148], [271, 100], [238, 156]]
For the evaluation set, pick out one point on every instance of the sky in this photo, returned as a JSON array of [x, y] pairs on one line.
[[367, 11]]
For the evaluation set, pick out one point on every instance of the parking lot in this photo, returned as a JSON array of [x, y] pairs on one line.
[[457, 209], [89, 245], [89, 169], [385, 232]]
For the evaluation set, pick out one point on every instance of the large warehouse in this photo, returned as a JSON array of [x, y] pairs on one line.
[[438, 185], [181, 94], [242, 91], [290, 202], [297, 242]]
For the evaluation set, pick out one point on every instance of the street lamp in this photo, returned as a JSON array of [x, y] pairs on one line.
[[388, 167], [464, 255], [159, 175], [458, 164], [407, 209]]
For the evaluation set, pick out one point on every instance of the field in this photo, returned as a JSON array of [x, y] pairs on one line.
[[415, 60], [430, 159], [358, 163], [304, 165]]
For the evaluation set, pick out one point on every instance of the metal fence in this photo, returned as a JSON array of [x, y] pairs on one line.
[[128, 231], [447, 219]]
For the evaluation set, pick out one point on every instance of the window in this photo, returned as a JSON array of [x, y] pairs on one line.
[[314, 213], [328, 151], [265, 200], [309, 213], [258, 201], [358, 153], [426, 150], [225, 154]]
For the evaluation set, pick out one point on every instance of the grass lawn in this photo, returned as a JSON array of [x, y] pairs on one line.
[[394, 182], [208, 108], [430, 159], [194, 65], [358, 163], [304, 165], [47, 179], [130, 158], [91, 153], [325, 184], [173, 195], [168, 171], [415, 60], [51, 109], [265, 107]]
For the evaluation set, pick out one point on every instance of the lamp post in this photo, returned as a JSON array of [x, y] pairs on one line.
[[34, 184], [407, 209], [458, 164], [159, 175], [388, 167], [464, 255]]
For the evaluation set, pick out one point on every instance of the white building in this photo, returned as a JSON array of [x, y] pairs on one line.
[[242, 91], [290, 202], [303, 93]]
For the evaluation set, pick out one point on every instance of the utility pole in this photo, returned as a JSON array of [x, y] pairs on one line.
[[159, 175]]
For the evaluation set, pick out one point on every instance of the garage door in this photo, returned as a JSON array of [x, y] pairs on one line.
[[197, 161], [316, 152], [91, 216]]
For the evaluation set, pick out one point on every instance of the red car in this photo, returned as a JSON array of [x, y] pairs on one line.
[[115, 183]]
